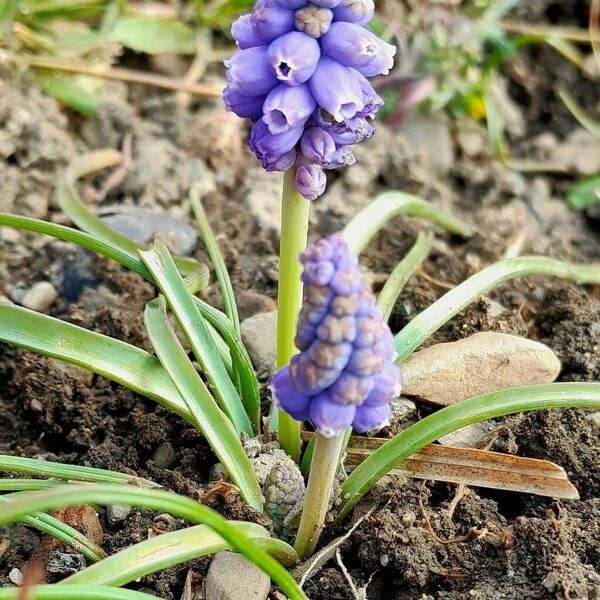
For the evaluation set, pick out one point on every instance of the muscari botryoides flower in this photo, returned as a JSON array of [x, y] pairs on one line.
[[344, 374], [301, 77]]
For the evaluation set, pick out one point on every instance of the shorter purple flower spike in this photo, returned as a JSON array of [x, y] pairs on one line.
[[310, 181], [344, 375], [354, 11]]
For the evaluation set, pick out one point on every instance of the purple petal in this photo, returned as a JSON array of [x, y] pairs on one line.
[[317, 146], [328, 417], [330, 356], [287, 398], [352, 45], [371, 417], [292, 4], [270, 148], [287, 107], [293, 57], [355, 11], [350, 389], [310, 181], [281, 163], [342, 157], [247, 107], [336, 89], [245, 34], [386, 386], [325, 3], [308, 377], [373, 101], [272, 21], [249, 71]]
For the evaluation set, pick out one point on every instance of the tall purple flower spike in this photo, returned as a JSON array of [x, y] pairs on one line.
[[303, 67], [345, 373]]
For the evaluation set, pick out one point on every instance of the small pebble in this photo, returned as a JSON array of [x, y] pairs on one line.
[[116, 513], [16, 576], [164, 456], [233, 577], [384, 560], [40, 296], [259, 334], [62, 563]]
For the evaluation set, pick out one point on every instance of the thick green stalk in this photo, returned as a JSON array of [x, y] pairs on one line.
[[323, 468], [294, 230]]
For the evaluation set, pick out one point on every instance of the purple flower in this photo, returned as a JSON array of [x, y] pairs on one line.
[[245, 34], [344, 375], [293, 57], [354, 46], [249, 71], [318, 146], [301, 77], [354, 11], [287, 107], [310, 181]]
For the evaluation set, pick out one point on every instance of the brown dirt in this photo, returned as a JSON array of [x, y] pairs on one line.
[[495, 545]]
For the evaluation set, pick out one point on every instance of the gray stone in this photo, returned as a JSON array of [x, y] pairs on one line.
[[233, 577], [580, 152], [263, 197], [117, 513], [595, 419], [40, 296], [482, 363], [62, 563], [16, 576], [143, 225], [164, 456], [259, 334], [401, 408]]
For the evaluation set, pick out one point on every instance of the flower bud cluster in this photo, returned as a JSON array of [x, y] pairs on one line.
[[301, 77], [344, 374]]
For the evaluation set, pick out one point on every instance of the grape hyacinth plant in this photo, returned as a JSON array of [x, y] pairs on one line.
[[301, 77]]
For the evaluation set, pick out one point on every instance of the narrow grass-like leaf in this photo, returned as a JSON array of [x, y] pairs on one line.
[[69, 93], [212, 247], [46, 468], [172, 549], [208, 417], [395, 283], [585, 193], [451, 418], [363, 227], [76, 592], [151, 499], [192, 324], [22, 484], [71, 204], [118, 361], [577, 111], [441, 311], [68, 535], [154, 36]]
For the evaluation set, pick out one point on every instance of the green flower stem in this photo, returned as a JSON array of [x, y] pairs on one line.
[[461, 414], [323, 468], [441, 311], [73, 592], [294, 231]]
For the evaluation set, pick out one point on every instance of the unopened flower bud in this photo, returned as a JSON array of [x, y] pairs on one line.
[[313, 20]]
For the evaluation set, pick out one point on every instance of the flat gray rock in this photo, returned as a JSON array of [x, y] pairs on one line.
[[482, 363], [259, 334], [233, 577]]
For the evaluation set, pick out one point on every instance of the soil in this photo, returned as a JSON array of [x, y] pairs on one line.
[[411, 545]]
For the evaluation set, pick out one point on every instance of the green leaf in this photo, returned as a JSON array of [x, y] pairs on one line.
[[207, 417], [76, 592], [130, 366], [69, 536], [71, 204], [395, 283], [151, 499], [461, 414], [154, 36], [585, 193], [441, 311], [21, 484], [192, 324], [212, 247], [174, 548], [69, 93], [577, 111], [365, 225]]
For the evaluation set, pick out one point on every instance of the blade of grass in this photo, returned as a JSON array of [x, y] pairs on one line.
[[172, 549], [71, 204], [363, 227], [387, 298], [192, 324], [441, 311], [208, 417], [68, 535], [577, 111], [451, 418], [212, 247], [45, 468], [150, 499], [118, 361], [26, 485], [77, 592]]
